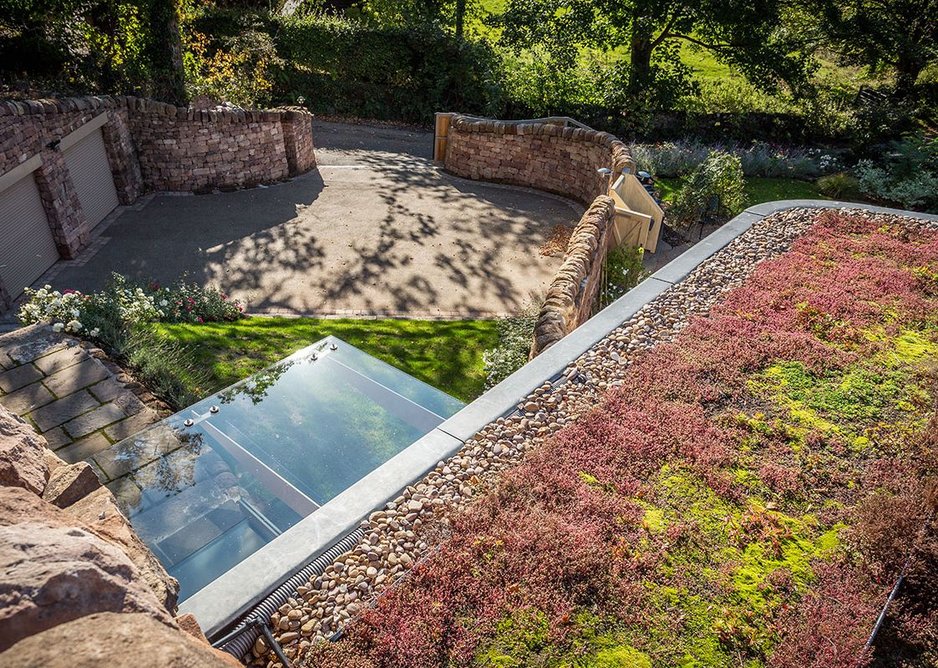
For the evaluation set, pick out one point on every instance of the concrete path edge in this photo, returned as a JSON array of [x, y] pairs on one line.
[[232, 596]]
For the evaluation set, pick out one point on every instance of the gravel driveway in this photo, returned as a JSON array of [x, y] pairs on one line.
[[376, 230]]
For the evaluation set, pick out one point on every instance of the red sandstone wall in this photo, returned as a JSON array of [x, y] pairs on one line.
[[572, 292], [557, 159], [197, 150], [150, 146], [298, 140], [552, 158]]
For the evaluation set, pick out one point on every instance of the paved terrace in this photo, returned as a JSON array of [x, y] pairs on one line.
[[376, 230]]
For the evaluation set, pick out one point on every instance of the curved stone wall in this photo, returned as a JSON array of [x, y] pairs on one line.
[[573, 291], [549, 157]]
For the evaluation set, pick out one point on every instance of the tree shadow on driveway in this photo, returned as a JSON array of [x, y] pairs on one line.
[[389, 234]]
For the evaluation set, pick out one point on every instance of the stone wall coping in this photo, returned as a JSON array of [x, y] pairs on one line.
[[471, 124], [103, 102], [226, 599]]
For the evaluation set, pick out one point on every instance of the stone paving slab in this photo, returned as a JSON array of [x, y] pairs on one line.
[[18, 377], [79, 403], [85, 373], [27, 398], [62, 410]]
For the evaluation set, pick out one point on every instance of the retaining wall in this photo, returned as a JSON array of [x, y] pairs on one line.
[[559, 159], [573, 291], [150, 146], [549, 157]]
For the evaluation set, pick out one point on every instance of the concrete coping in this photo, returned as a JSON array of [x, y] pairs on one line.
[[230, 597]]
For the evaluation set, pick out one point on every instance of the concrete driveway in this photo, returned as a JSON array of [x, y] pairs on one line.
[[375, 230]]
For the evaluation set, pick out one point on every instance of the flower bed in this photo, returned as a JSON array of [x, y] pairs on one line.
[[745, 495]]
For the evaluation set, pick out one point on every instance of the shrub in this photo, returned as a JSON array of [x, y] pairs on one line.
[[624, 270], [515, 333], [190, 302], [713, 191], [117, 319], [907, 174], [757, 159], [840, 186], [347, 67]]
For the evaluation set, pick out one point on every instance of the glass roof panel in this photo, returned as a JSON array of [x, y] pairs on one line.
[[215, 482]]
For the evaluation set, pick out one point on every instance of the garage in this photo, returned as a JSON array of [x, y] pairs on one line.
[[28, 248], [86, 159]]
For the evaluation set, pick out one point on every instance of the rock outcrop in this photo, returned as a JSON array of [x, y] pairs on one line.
[[22, 455], [52, 575], [116, 641]]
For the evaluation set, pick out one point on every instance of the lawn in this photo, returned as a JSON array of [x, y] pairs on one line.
[[746, 496], [445, 354], [758, 190]]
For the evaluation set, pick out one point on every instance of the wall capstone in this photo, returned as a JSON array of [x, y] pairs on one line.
[[573, 291]]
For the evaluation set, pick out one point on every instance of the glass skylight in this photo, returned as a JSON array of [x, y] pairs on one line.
[[216, 482]]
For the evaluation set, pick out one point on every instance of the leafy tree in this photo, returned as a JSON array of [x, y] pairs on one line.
[[901, 35], [165, 52], [744, 33]]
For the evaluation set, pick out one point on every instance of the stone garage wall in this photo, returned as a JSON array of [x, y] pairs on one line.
[[573, 291], [150, 146], [553, 158], [28, 129]]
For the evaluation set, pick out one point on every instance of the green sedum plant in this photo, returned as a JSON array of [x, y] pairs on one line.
[[714, 191]]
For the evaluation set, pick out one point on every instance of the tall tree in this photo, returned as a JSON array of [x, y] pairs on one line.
[[744, 33], [165, 52], [901, 35]]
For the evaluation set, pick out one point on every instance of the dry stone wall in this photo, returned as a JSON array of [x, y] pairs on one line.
[[573, 291], [150, 146], [557, 159], [553, 158]]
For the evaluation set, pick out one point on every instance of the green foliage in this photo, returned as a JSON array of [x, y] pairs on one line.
[[515, 335], [445, 354], [89, 46], [760, 159], [240, 71], [167, 369], [624, 270], [714, 191], [352, 68], [896, 35], [743, 34], [906, 174], [841, 186]]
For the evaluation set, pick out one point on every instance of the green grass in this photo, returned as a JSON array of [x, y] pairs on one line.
[[758, 190], [447, 355]]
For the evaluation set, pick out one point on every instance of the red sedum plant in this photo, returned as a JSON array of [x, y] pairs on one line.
[[746, 497]]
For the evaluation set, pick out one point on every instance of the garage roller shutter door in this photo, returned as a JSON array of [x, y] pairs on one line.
[[88, 166], [27, 248]]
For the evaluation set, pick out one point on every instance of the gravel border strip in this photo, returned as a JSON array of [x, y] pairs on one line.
[[586, 364]]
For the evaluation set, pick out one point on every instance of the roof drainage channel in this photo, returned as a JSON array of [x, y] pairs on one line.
[[222, 602]]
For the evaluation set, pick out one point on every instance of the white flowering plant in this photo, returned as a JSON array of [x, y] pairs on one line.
[[121, 305]]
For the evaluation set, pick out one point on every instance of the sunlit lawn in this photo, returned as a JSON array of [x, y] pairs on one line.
[[445, 354]]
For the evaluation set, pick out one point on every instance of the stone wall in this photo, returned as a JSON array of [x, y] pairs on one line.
[[559, 159], [151, 146], [553, 158], [572, 293]]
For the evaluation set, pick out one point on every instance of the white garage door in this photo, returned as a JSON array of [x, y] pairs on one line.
[[27, 248], [88, 166]]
